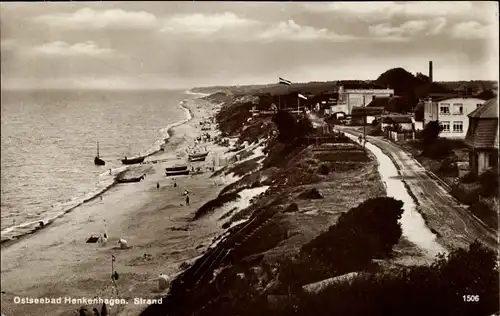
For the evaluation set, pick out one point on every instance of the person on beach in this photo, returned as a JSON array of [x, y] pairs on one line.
[[157, 185], [109, 171], [187, 199], [175, 184]]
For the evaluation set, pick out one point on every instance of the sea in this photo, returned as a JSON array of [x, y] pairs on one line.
[[49, 141]]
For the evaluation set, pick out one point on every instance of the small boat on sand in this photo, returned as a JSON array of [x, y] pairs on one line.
[[176, 172], [177, 168], [197, 156], [132, 161], [129, 180], [98, 161]]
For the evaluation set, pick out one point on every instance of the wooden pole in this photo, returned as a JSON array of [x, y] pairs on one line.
[[298, 102], [113, 274], [364, 132]]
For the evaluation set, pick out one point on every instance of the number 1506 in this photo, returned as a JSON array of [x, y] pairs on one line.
[[471, 298]]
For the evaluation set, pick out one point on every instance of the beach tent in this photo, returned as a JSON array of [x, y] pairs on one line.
[[123, 243], [163, 281]]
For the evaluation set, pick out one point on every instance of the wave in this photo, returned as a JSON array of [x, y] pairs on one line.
[[196, 93], [105, 182]]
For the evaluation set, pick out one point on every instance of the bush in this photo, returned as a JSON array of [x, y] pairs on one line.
[[215, 203], [324, 169], [465, 197], [416, 290], [448, 167], [470, 177], [437, 149], [486, 213], [312, 194], [289, 128], [365, 232], [431, 131], [489, 183], [377, 131]]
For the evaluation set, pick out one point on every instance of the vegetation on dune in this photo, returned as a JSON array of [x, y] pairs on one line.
[[211, 205], [289, 128], [464, 283], [232, 117], [365, 232], [311, 194]]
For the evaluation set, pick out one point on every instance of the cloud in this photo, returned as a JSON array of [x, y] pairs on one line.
[[87, 18], [473, 30], [9, 44], [407, 30], [206, 24], [293, 32], [229, 26], [384, 10], [59, 48]]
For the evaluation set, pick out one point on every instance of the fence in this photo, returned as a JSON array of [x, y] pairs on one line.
[[400, 137]]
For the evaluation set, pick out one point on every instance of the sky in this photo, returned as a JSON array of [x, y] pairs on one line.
[[162, 45]]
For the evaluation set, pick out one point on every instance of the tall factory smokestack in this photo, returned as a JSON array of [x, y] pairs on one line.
[[430, 71]]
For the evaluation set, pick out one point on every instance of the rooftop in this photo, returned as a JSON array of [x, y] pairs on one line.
[[367, 111], [483, 126], [488, 110]]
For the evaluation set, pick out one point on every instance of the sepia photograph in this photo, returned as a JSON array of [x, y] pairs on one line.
[[224, 158]]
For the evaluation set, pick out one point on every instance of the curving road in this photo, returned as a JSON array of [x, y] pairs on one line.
[[456, 225]]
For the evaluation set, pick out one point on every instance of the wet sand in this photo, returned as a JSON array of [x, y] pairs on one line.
[[57, 262]]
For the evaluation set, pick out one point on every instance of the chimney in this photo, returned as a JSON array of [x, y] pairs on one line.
[[430, 71]]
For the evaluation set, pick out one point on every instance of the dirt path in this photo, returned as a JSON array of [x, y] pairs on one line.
[[456, 225]]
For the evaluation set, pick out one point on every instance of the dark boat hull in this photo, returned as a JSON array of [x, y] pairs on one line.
[[130, 180], [200, 158], [197, 157], [133, 160], [178, 168], [176, 173], [99, 161]]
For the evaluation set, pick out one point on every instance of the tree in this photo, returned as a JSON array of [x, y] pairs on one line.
[[286, 124], [289, 128], [431, 132], [419, 113], [486, 95]]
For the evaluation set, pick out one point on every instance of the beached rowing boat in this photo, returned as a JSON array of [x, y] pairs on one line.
[[197, 156], [177, 168], [127, 161], [129, 180], [176, 173]]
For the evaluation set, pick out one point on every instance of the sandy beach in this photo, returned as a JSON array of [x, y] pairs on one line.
[[57, 262]]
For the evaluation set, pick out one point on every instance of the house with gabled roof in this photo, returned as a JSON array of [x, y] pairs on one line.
[[482, 137], [452, 114]]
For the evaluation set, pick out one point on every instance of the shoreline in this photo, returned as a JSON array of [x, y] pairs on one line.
[[154, 221], [13, 234]]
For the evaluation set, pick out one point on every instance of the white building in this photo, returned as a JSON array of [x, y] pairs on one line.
[[350, 98], [451, 112]]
